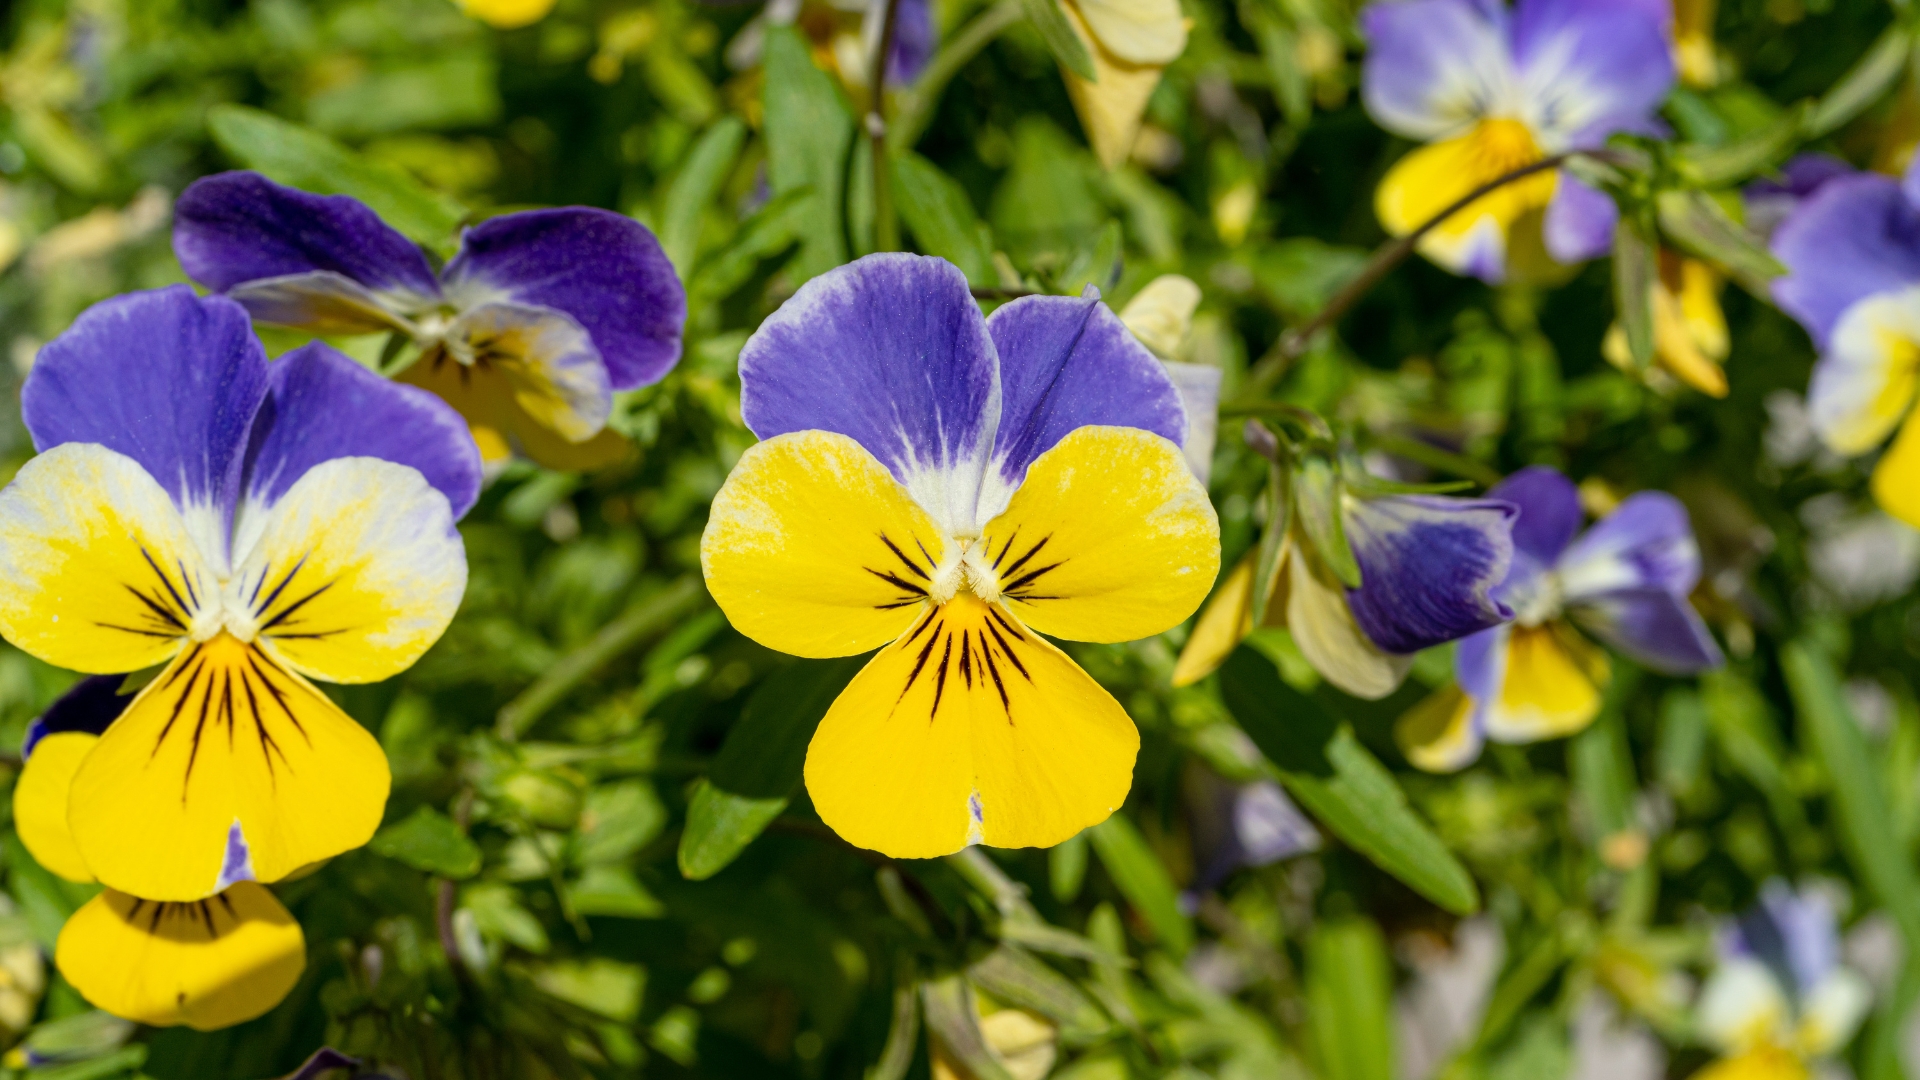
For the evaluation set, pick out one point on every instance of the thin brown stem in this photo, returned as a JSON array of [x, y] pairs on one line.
[[1389, 255]]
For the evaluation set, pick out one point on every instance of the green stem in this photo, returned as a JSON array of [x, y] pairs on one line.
[[916, 107], [651, 616], [886, 226]]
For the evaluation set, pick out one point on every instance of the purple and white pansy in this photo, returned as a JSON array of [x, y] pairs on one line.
[[1625, 581], [1780, 998], [1491, 90], [528, 330]]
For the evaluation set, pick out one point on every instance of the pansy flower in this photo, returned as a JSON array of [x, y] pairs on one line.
[[1770, 200], [946, 488], [1780, 999], [1428, 565], [528, 330], [507, 14], [207, 964], [1690, 341], [244, 527], [1625, 581], [843, 37], [1491, 90], [1852, 252]]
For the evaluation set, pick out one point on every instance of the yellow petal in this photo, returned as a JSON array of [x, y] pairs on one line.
[[1434, 177], [97, 561], [226, 767], [1764, 1063], [507, 14], [1223, 624], [510, 399], [1109, 538], [1438, 735], [1110, 107], [355, 572], [813, 548], [209, 964], [969, 729], [1136, 31], [1550, 685], [1323, 627], [40, 802], [1896, 479], [1161, 314]]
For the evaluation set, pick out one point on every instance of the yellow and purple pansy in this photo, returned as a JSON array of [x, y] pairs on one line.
[[1780, 999], [1852, 252], [207, 964], [1428, 566], [1492, 90], [1625, 581], [945, 488], [528, 330], [243, 527]]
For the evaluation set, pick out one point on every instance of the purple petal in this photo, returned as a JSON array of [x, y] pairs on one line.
[[1428, 567], [1580, 221], [239, 227], [1794, 932], [1646, 543], [1550, 513], [604, 269], [1588, 68], [1433, 66], [1479, 663], [1654, 627], [1769, 202], [1268, 827], [1852, 238], [322, 405], [1199, 389], [90, 705], [170, 379], [914, 39], [893, 352], [1067, 362]]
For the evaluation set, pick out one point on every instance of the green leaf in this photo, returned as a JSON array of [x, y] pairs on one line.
[[1057, 32], [808, 128], [1318, 491], [1865, 83], [308, 160], [1143, 881], [619, 819], [1633, 278], [1731, 163], [1698, 224], [454, 90], [1273, 539], [772, 229], [498, 914], [599, 985], [430, 841], [1601, 765], [613, 891], [1017, 977], [115, 1064], [1349, 1001], [758, 768], [1337, 781], [694, 187], [941, 216], [1867, 822], [1067, 867], [953, 1019]]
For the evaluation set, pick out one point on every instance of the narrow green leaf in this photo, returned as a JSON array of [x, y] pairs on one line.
[[772, 229], [758, 767], [1143, 881], [1720, 166], [1698, 225], [297, 157], [1273, 540], [1633, 278], [1867, 821], [1865, 83], [694, 187], [808, 131], [1016, 977], [1350, 1001], [115, 1064], [1601, 764], [903, 1035], [1065, 45], [613, 891], [430, 842], [1067, 867], [1340, 783], [954, 1021], [941, 217], [1318, 491]]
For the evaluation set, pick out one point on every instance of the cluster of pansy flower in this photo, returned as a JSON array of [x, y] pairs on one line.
[[229, 529], [528, 331], [1851, 246], [1625, 581], [1492, 91], [1780, 1000], [1363, 577], [945, 488]]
